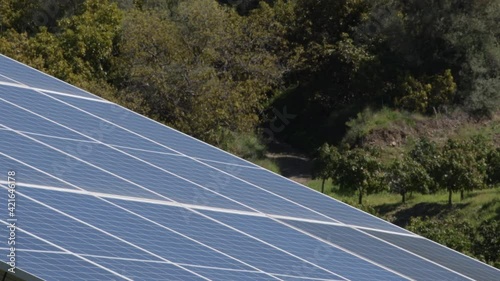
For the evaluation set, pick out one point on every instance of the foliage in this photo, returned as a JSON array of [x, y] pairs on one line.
[[457, 168], [451, 232], [359, 171], [493, 166], [370, 120], [203, 69], [481, 241], [325, 163], [245, 145], [87, 38], [487, 245], [407, 175], [436, 92], [415, 95]]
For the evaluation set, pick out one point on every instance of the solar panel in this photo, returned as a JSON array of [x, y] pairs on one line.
[[103, 193]]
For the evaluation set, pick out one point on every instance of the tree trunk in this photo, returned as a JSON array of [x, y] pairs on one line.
[[449, 197], [323, 186], [360, 199], [403, 195], [461, 195]]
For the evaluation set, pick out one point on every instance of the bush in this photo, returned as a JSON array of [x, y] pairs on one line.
[[451, 232], [245, 145], [487, 246], [493, 166], [368, 120]]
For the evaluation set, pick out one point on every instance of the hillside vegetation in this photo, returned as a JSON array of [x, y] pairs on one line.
[[412, 172], [392, 99]]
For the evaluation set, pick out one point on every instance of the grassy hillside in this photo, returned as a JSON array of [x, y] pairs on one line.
[[462, 227], [477, 205], [470, 225]]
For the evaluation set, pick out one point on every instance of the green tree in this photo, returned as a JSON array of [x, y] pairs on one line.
[[359, 171], [457, 168], [425, 152], [203, 68], [325, 163], [407, 175], [493, 166], [435, 41], [87, 33], [415, 95]]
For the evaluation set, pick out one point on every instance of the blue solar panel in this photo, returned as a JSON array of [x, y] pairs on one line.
[[442, 255], [22, 74], [228, 275], [154, 240], [79, 121], [369, 247], [155, 131], [106, 194], [49, 266], [223, 238], [71, 234], [313, 200], [310, 249], [21, 120], [24, 241], [29, 176], [64, 167], [147, 270]]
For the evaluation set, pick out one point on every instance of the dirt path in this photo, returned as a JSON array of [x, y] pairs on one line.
[[292, 164]]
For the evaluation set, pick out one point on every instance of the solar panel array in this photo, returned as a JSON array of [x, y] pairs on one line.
[[103, 193]]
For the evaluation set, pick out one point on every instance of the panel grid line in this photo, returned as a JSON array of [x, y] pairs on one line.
[[131, 148], [146, 162], [164, 262], [196, 211], [105, 232], [185, 205], [237, 230], [279, 211], [410, 252], [150, 165], [23, 86], [67, 251]]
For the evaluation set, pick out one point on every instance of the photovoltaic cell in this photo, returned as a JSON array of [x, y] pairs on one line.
[[70, 234], [167, 184], [23, 241], [227, 185], [222, 238], [309, 248], [80, 122], [442, 255], [371, 248], [161, 134], [176, 208], [63, 166], [21, 120], [228, 275], [142, 270], [28, 175], [49, 266], [310, 199], [142, 234], [34, 78]]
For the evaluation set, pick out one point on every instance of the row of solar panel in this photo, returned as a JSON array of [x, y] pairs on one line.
[[97, 146], [88, 151], [140, 231]]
